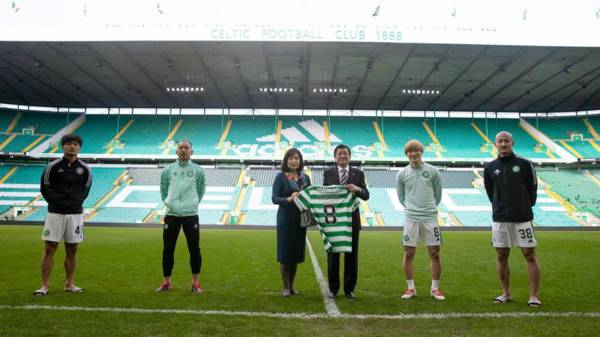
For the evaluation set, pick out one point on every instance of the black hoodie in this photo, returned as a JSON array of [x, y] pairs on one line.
[[511, 186]]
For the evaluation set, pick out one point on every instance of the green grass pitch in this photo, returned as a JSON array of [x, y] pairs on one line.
[[120, 268]]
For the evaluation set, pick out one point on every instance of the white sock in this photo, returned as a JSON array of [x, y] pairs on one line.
[[435, 284], [410, 284]]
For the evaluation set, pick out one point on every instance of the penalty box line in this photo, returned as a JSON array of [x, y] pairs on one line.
[[308, 316]]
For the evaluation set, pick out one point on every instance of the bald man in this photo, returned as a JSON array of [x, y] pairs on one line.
[[511, 186]]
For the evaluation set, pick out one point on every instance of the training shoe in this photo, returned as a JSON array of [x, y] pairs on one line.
[[409, 293], [534, 302], [196, 287], [164, 286], [437, 294]]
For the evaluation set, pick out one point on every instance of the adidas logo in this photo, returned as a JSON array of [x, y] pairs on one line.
[[294, 135]]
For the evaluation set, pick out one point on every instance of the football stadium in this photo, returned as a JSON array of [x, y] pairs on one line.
[[243, 82]]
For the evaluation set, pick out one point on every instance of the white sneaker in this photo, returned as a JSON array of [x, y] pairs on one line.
[[437, 294], [409, 293]]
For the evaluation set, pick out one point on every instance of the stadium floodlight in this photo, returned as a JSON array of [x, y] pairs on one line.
[[320, 90], [202, 89], [314, 90], [291, 89]]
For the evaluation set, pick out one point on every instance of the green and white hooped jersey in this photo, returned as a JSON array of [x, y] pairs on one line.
[[331, 207]]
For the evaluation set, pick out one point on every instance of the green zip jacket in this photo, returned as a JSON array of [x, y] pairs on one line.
[[182, 186]]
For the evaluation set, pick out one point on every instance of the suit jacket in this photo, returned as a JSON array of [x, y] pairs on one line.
[[356, 177]]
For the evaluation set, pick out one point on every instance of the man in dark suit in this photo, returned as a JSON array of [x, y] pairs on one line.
[[354, 180]]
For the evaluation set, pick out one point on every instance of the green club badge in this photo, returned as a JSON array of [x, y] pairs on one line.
[[46, 232], [426, 174], [406, 238], [516, 169], [166, 226], [190, 174]]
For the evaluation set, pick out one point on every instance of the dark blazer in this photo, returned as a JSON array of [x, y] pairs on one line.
[[356, 177]]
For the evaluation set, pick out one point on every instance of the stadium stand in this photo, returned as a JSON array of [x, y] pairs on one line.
[[398, 131], [44, 123], [97, 132], [575, 187], [252, 130], [458, 138], [203, 131], [525, 145], [145, 135], [263, 176], [457, 179], [222, 176], [380, 178]]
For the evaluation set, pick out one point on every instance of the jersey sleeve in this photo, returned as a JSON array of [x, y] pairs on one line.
[[302, 200]]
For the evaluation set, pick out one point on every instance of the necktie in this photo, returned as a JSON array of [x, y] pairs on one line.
[[344, 177]]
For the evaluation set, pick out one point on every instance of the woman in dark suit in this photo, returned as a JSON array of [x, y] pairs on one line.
[[291, 236]]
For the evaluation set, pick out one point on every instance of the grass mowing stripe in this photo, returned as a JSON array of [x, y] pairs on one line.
[[330, 305], [307, 316]]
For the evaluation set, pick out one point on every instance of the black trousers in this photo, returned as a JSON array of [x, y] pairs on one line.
[[350, 267], [191, 229]]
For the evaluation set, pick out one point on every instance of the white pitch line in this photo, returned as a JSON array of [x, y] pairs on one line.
[[330, 305], [308, 316]]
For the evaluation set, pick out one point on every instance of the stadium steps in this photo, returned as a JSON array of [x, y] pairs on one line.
[[591, 129], [34, 143], [7, 141], [538, 140], [241, 196], [13, 123], [8, 174], [434, 139], [570, 149], [487, 140], [115, 188], [31, 210], [170, 136], [571, 209], [594, 145], [118, 135], [224, 137], [69, 129], [326, 134]]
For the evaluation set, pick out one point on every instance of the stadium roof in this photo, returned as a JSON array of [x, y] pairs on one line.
[[300, 75]]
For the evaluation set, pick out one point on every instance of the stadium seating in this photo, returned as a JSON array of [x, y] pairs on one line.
[[20, 143], [248, 130], [398, 131], [575, 187], [525, 145], [203, 131], [146, 135], [380, 178], [6, 116], [458, 138], [44, 123], [345, 129], [560, 128], [97, 132], [263, 176]]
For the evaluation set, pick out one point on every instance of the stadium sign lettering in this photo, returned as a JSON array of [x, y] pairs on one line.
[[231, 34], [355, 35], [291, 34]]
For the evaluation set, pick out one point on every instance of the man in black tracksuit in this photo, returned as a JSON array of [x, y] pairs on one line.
[[511, 186], [65, 184]]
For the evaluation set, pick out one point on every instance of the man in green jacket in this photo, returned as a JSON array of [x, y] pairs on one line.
[[182, 186]]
